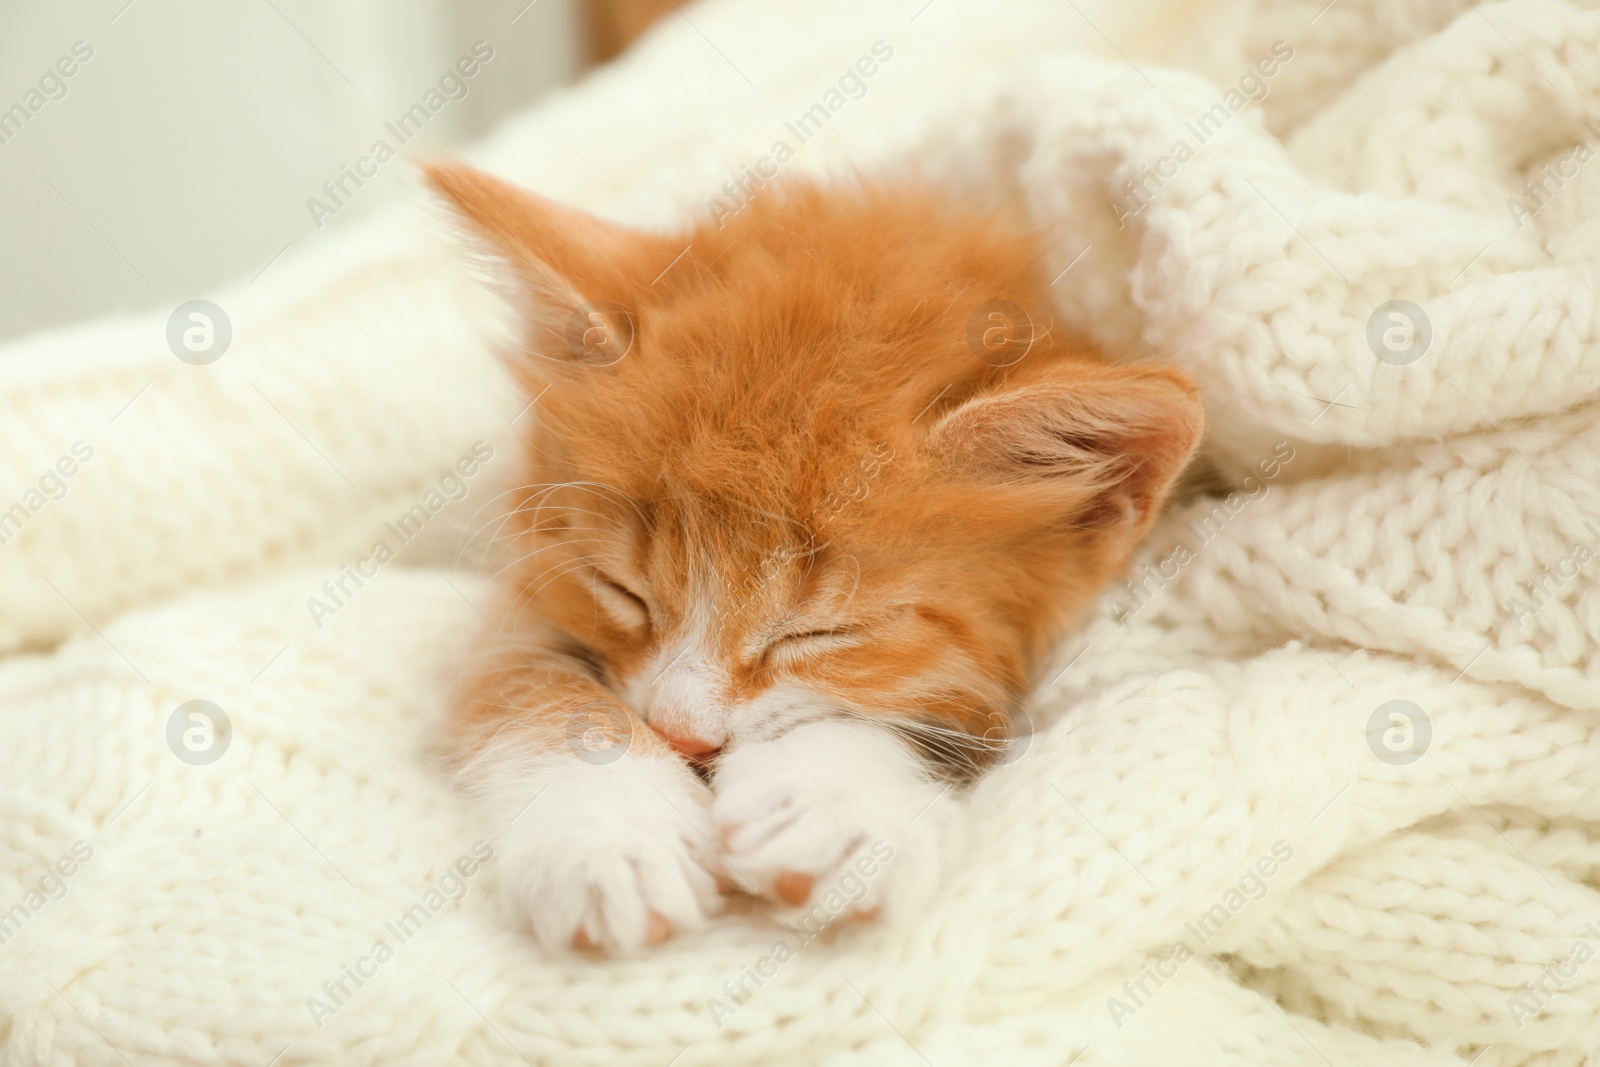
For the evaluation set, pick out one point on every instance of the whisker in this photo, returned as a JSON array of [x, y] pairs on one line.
[[546, 548], [533, 501]]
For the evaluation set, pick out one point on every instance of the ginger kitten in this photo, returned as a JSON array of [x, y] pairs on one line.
[[809, 498]]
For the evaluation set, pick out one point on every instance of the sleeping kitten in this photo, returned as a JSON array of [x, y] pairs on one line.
[[810, 498]]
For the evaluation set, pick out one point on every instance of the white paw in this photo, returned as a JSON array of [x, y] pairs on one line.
[[837, 818], [616, 855]]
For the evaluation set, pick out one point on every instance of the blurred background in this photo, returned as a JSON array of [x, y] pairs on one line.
[[151, 150]]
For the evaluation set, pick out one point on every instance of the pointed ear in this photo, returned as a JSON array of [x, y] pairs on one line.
[[572, 276], [1102, 444]]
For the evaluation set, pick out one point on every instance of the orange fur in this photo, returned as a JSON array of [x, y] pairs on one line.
[[792, 422], [824, 469]]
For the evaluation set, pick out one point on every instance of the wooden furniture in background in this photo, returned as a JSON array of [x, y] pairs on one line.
[[612, 25]]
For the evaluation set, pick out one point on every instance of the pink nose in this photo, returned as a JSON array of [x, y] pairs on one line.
[[687, 746]]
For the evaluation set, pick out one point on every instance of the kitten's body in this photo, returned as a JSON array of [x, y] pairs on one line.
[[817, 487]]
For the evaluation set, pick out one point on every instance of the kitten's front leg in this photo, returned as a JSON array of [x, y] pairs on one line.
[[603, 834], [837, 815]]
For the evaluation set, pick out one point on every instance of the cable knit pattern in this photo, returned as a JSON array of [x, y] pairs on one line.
[[1218, 846]]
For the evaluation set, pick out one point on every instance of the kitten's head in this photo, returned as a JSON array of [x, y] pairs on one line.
[[825, 459]]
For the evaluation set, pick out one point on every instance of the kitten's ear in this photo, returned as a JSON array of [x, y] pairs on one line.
[[571, 275], [1103, 443]]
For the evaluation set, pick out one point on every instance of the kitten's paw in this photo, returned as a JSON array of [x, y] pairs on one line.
[[837, 819], [615, 856]]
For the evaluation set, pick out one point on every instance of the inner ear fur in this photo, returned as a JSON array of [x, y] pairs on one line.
[[577, 280], [1104, 442]]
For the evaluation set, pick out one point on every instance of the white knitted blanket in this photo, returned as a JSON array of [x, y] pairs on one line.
[[1321, 786]]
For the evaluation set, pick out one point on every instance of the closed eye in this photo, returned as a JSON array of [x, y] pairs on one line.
[[792, 648], [620, 602]]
